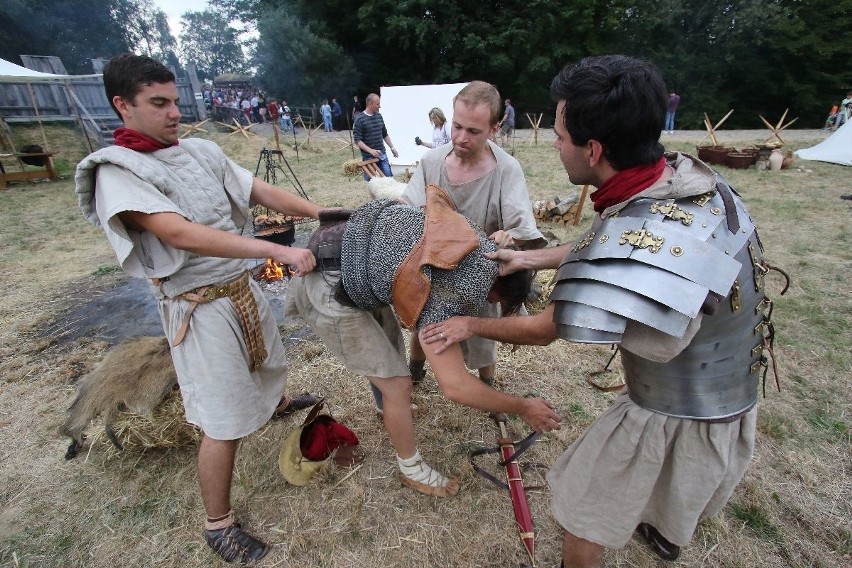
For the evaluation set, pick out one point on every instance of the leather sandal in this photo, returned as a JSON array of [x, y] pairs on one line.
[[235, 545], [289, 405], [448, 490], [661, 547]]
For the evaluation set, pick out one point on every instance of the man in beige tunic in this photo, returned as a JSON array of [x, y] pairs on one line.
[[175, 213], [487, 186]]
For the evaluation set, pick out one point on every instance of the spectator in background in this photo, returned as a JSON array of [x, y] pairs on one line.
[[325, 111], [336, 114], [671, 109], [255, 106], [371, 135], [245, 105], [261, 108], [507, 123], [272, 111], [286, 122], [844, 112], [356, 107], [440, 130], [832, 117]]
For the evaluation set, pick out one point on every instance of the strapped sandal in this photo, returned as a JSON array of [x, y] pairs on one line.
[[448, 490], [235, 545]]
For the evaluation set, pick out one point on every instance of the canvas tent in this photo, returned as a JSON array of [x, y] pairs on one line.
[[836, 149], [405, 111], [12, 73]]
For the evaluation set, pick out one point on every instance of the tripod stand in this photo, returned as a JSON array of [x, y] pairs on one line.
[[272, 160]]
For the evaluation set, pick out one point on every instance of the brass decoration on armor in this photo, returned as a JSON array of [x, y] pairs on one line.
[[756, 350], [603, 239], [761, 328], [641, 239], [676, 250], [735, 296], [701, 200], [765, 304], [584, 242], [759, 270], [716, 211], [757, 365], [672, 211]]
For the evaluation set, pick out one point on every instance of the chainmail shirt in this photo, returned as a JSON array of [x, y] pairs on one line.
[[378, 238]]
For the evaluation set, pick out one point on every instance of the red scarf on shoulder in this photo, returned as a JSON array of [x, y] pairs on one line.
[[625, 184], [137, 141]]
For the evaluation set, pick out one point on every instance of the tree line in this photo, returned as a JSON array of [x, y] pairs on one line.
[[754, 56]]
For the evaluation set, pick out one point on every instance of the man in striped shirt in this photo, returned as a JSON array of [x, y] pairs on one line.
[[371, 135]]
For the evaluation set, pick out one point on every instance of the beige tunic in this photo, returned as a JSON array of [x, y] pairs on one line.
[[498, 201], [197, 181]]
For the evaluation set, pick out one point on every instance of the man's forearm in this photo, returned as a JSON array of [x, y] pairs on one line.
[[540, 259], [538, 329]]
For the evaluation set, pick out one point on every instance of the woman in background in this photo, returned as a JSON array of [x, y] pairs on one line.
[[441, 131]]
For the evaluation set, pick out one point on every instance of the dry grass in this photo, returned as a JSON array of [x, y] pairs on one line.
[[141, 508]]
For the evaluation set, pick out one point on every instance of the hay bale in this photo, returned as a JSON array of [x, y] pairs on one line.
[[351, 168]]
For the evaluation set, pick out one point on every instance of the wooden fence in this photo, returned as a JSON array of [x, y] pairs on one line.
[[81, 99]]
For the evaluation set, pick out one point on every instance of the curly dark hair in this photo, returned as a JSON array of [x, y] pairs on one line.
[[513, 289], [619, 101], [126, 74]]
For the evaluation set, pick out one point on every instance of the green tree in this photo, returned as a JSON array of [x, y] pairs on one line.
[[79, 31], [208, 40], [75, 30], [293, 62]]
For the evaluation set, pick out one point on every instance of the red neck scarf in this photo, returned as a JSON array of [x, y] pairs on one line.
[[137, 141], [625, 184]]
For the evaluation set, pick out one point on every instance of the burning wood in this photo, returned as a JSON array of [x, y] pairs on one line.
[[273, 271]]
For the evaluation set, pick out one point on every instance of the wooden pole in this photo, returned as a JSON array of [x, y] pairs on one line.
[[73, 102], [38, 116]]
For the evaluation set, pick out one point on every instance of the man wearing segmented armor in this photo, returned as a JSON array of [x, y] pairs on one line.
[[672, 272]]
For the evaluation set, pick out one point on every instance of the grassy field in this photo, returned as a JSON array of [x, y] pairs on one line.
[[142, 508]]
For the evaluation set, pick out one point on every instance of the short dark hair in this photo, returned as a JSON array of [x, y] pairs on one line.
[[617, 100], [513, 290], [126, 74]]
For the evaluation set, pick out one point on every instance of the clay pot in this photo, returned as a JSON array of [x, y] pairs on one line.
[[776, 158]]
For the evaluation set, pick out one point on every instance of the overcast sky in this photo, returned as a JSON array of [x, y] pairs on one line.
[[174, 9]]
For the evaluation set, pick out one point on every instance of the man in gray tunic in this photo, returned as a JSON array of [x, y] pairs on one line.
[[672, 272], [175, 213], [487, 186]]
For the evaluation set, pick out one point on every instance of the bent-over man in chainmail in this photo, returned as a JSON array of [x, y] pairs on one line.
[[429, 265]]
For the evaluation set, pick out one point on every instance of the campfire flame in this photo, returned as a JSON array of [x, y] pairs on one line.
[[273, 271]]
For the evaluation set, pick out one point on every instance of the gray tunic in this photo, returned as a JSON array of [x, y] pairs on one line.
[[197, 181]]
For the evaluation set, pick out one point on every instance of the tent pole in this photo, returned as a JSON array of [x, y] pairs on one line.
[[79, 118], [38, 116]]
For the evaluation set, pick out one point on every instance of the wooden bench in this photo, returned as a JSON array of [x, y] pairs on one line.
[[47, 170], [371, 168]]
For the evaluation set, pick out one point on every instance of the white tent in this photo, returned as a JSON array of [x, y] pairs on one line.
[[405, 111], [836, 149], [11, 73]]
